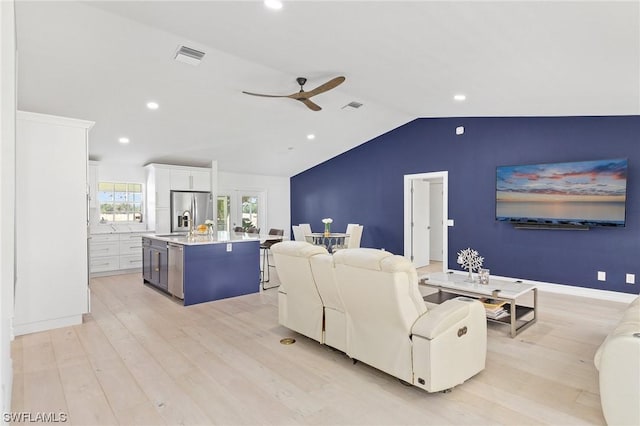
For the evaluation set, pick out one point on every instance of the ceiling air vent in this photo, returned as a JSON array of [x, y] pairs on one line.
[[353, 104], [189, 56]]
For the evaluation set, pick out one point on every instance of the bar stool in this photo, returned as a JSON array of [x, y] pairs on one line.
[[265, 246]]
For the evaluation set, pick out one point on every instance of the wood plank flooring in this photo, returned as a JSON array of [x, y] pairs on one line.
[[142, 359]]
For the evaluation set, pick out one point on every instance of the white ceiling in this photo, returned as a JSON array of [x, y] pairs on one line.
[[103, 61]]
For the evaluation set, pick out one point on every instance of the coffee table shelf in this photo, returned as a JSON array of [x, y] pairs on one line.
[[451, 285]]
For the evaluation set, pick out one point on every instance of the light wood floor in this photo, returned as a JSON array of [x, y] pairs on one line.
[[140, 358]]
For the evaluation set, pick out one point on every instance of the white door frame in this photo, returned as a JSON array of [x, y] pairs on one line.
[[444, 175]]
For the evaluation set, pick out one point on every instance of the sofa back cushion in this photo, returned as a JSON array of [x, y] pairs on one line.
[[382, 302], [304, 309]]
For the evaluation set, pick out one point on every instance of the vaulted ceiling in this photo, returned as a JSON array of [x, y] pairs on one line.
[[103, 61]]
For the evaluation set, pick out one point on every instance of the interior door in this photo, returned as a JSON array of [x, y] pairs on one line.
[[420, 222]]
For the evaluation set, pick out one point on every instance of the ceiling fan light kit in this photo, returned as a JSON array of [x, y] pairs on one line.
[[303, 96]]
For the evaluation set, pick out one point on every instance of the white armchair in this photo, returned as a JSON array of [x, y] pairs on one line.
[[390, 328], [300, 307]]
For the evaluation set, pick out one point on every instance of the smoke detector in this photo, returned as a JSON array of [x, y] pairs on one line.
[[189, 56]]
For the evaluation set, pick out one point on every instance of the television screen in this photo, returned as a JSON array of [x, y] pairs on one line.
[[585, 193]]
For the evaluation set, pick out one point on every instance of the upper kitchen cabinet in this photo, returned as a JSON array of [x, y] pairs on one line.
[[52, 283], [190, 179]]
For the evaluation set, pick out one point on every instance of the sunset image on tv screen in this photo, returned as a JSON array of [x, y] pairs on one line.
[[586, 192]]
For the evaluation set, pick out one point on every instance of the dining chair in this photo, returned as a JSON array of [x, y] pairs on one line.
[[306, 228], [298, 235], [355, 236], [265, 246], [350, 227]]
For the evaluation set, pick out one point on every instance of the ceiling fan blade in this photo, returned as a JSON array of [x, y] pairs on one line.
[[326, 86], [310, 105], [265, 96]]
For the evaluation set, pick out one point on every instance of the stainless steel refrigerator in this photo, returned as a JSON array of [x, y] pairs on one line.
[[190, 209]]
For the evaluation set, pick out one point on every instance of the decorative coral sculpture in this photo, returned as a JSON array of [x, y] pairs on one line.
[[471, 260]]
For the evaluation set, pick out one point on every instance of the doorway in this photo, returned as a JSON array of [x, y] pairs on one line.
[[425, 218]]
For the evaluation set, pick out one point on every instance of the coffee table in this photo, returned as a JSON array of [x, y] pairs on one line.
[[450, 285]]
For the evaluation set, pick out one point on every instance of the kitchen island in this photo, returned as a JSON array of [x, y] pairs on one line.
[[202, 268]]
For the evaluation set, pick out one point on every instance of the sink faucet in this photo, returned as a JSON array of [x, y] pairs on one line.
[[187, 220]]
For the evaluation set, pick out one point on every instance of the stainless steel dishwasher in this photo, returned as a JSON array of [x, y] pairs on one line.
[[176, 264]]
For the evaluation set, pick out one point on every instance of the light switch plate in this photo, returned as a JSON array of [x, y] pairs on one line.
[[449, 222], [602, 276], [631, 279]]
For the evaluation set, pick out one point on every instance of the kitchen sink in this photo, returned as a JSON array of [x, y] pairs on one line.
[[177, 234]]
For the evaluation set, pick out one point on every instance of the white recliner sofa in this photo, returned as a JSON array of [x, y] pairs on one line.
[[372, 310], [390, 328], [618, 364], [300, 307]]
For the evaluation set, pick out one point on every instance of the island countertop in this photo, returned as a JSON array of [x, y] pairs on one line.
[[221, 237]]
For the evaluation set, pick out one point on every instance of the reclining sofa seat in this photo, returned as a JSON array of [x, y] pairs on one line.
[[300, 307], [390, 328]]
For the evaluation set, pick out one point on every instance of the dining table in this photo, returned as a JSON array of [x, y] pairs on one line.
[[331, 241]]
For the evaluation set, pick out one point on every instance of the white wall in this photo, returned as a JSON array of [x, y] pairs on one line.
[[277, 196], [7, 194], [115, 172]]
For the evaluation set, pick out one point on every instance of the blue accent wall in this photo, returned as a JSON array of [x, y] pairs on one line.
[[365, 186]]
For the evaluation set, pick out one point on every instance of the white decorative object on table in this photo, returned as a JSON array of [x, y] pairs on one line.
[[471, 260], [327, 226]]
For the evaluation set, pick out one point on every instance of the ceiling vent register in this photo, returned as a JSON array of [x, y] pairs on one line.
[[352, 104], [189, 56]]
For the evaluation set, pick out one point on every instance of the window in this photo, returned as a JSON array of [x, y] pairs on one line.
[[250, 211], [120, 202], [224, 203]]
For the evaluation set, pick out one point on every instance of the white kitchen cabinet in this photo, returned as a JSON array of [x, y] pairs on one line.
[[52, 285], [93, 184], [190, 179], [163, 186], [115, 253], [180, 180], [163, 221], [201, 180]]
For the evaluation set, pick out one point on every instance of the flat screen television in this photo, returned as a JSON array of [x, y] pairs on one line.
[[578, 194]]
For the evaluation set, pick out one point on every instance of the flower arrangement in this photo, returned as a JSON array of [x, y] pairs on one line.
[[471, 260], [327, 225]]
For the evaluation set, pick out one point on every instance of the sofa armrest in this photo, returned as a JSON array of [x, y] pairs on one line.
[[437, 320], [619, 370]]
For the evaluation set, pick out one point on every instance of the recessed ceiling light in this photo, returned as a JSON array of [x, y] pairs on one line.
[[123, 140], [153, 105], [459, 97], [311, 136], [273, 4]]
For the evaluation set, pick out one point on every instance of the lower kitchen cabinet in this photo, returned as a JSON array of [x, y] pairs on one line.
[[115, 253], [155, 269]]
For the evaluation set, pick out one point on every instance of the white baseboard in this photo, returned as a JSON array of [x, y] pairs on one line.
[[116, 272], [594, 293], [34, 327]]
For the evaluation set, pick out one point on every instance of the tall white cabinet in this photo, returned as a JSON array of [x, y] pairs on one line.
[[52, 285]]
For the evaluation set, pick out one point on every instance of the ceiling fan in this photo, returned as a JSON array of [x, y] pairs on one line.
[[303, 96]]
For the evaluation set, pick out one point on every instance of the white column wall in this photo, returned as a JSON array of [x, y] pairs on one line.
[[7, 194]]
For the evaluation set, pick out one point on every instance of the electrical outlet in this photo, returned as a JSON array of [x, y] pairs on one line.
[[602, 276], [229, 246], [631, 278]]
